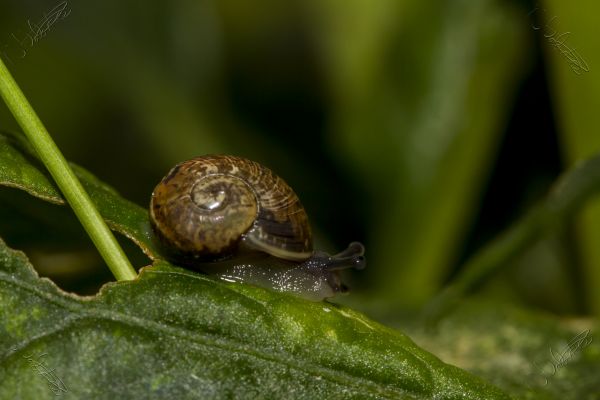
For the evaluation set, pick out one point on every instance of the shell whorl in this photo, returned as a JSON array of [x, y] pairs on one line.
[[207, 207]]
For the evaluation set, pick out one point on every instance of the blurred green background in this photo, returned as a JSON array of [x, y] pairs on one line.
[[421, 129]]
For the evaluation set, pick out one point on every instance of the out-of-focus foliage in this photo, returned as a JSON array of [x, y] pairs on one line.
[[383, 116], [574, 56], [420, 93]]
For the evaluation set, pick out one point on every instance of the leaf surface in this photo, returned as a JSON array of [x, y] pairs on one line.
[[530, 355], [174, 333]]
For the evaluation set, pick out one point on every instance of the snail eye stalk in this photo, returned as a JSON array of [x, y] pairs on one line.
[[352, 257]]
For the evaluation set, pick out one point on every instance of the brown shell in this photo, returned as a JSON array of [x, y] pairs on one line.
[[207, 207]]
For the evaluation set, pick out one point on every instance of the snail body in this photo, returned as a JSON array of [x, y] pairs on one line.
[[235, 218]]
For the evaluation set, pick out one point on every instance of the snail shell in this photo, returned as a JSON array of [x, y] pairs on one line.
[[234, 217], [205, 208]]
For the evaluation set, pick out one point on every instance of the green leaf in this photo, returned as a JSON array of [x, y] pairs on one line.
[[20, 168], [173, 333], [529, 355], [193, 336]]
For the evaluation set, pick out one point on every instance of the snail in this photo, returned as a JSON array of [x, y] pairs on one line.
[[234, 218]]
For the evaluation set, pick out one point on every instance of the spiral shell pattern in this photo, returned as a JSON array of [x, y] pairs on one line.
[[207, 207]]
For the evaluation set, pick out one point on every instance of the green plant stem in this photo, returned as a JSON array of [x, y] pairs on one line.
[[64, 177], [568, 195]]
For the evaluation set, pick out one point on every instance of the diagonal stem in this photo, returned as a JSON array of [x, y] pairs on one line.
[[568, 195], [64, 177]]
